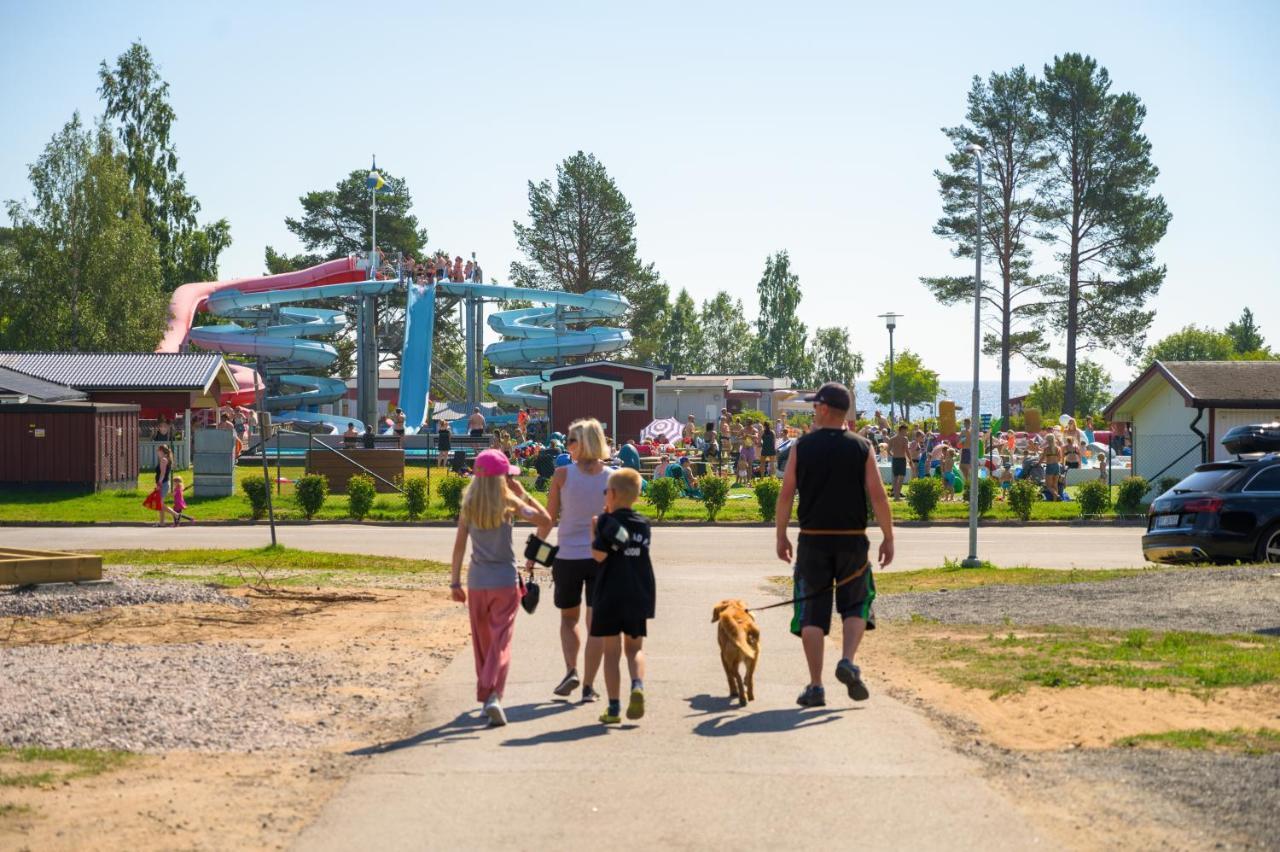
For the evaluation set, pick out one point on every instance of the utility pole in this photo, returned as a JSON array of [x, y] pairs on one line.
[[891, 322], [367, 327], [972, 561]]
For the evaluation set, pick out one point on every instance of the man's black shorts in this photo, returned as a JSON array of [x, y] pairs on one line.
[[569, 577], [610, 621], [899, 466], [821, 562]]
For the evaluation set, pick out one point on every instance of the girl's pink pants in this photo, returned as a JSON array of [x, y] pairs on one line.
[[493, 624]]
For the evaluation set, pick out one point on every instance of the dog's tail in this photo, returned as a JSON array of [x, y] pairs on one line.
[[739, 636]]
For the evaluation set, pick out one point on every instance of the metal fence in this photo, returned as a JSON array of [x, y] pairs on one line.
[[1157, 457]]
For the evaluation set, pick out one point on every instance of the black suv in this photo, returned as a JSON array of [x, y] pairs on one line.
[[1224, 511]]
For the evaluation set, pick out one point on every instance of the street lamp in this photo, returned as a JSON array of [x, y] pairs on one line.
[[972, 561], [891, 322]]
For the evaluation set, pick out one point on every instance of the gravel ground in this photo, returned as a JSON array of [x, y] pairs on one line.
[[1236, 600], [207, 697], [1235, 796], [64, 599]]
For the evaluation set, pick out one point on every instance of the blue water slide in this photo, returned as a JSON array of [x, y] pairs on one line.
[[273, 327], [534, 338]]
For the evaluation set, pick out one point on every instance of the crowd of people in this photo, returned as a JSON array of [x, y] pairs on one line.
[[438, 269], [1043, 456]]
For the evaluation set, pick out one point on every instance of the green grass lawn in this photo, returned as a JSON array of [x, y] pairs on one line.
[[1260, 741], [1062, 657], [29, 504], [236, 567], [55, 765]]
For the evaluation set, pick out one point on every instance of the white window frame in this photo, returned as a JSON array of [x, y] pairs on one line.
[[624, 406]]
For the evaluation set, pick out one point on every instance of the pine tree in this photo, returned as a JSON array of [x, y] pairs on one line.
[[1245, 334]]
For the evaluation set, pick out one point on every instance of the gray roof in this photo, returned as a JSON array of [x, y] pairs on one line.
[[36, 389], [90, 371], [1212, 384]]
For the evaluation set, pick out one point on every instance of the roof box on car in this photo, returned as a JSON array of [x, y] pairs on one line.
[[1258, 438]]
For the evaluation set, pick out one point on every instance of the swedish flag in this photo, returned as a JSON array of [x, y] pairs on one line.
[[375, 181]]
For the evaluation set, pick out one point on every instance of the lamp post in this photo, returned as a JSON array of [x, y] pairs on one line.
[[972, 561], [891, 322]]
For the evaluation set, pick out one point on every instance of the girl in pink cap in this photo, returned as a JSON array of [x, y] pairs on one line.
[[490, 505]]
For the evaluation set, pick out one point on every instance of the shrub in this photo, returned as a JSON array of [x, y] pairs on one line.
[[451, 488], [415, 497], [1132, 490], [715, 493], [766, 490], [310, 492], [1167, 483], [923, 496], [1023, 495], [1094, 497], [663, 492], [986, 494], [256, 489], [361, 493]]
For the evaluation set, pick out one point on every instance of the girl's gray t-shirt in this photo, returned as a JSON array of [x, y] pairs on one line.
[[493, 559]]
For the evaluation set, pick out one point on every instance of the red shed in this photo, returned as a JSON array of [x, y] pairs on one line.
[[619, 395], [90, 445]]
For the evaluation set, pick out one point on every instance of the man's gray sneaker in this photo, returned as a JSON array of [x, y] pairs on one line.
[[851, 676], [813, 696], [568, 685]]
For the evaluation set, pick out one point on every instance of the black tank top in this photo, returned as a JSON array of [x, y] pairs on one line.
[[831, 466]]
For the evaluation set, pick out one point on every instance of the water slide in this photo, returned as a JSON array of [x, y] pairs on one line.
[[274, 329], [535, 338]]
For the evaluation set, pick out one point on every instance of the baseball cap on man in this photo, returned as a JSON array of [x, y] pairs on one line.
[[832, 394], [494, 463]]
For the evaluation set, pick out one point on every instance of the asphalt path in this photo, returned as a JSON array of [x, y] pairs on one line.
[[748, 548], [696, 772]]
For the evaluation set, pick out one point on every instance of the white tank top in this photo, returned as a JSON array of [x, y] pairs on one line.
[[581, 498]]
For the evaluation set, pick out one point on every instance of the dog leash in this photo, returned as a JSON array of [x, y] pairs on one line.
[[855, 575]]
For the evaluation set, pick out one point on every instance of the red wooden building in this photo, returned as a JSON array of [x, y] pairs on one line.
[[621, 396], [89, 445]]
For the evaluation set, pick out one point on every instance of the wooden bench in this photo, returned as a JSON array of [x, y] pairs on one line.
[[388, 464]]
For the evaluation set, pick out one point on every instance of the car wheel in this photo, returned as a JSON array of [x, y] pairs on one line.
[[1269, 546]]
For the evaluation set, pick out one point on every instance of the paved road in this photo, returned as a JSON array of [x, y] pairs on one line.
[[750, 548], [695, 773]]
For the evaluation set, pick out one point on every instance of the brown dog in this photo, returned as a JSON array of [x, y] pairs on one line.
[[739, 645]]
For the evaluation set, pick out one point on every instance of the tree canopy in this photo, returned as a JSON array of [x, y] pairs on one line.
[[832, 358], [1245, 334], [781, 338], [1093, 391], [580, 237], [727, 338], [1101, 212], [682, 343], [913, 383], [137, 106], [80, 267], [1192, 343], [1004, 119]]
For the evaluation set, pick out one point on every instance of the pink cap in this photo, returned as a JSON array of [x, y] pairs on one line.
[[494, 463]]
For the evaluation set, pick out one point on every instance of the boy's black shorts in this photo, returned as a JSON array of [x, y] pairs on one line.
[[570, 576], [610, 622], [822, 561]]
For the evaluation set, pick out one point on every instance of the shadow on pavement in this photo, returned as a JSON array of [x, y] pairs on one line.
[[769, 721], [464, 727], [568, 735], [704, 704]]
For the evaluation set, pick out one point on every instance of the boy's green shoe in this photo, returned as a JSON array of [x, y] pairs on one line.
[[635, 709], [610, 717]]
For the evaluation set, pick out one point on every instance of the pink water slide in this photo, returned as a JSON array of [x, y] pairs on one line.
[[188, 299]]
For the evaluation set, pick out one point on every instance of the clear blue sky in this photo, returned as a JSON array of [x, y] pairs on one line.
[[734, 128]]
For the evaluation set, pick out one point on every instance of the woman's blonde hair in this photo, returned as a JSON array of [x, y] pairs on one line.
[[487, 503], [592, 444]]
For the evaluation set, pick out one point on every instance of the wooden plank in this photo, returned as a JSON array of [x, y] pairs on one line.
[[19, 566]]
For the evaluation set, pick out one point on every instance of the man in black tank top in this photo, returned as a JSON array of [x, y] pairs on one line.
[[836, 474]]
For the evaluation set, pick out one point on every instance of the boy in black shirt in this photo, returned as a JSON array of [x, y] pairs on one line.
[[624, 594]]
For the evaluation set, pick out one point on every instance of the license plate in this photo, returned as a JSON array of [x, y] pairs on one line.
[[1163, 521]]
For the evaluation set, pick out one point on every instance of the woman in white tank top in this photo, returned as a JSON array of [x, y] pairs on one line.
[[575, 498]]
